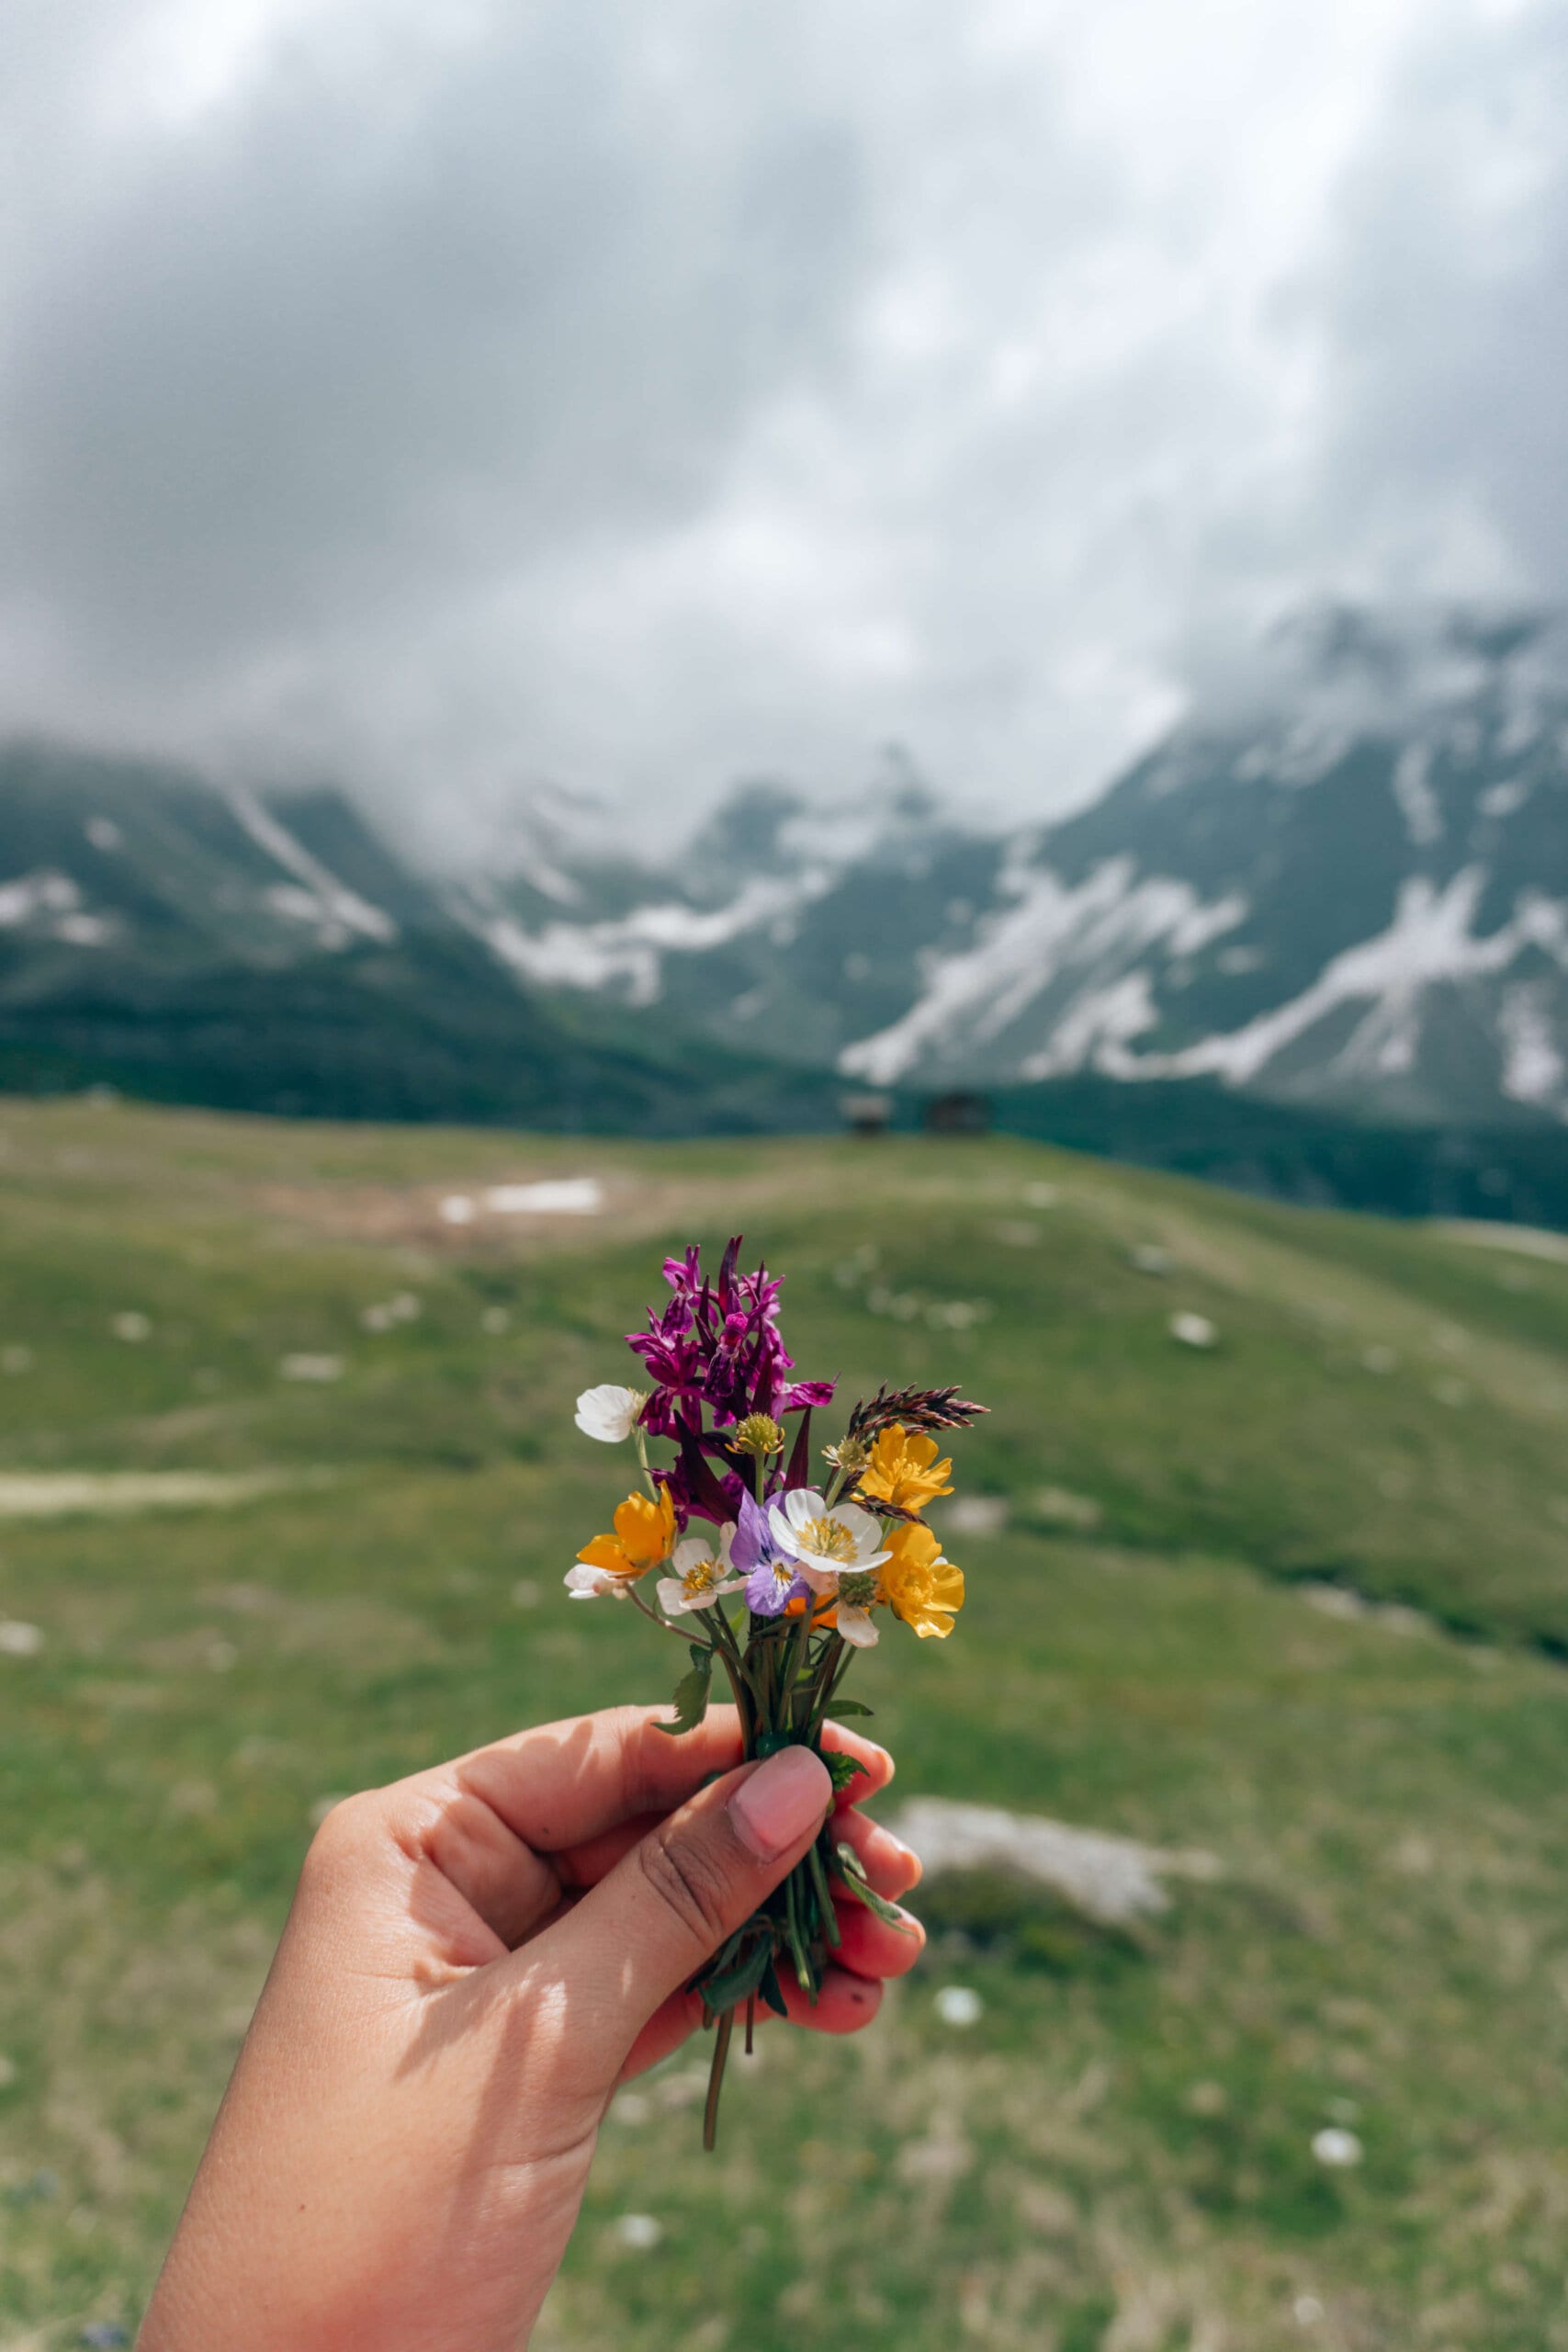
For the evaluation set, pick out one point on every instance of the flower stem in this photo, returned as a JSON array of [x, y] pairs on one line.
[[654, 1618], [716, 2080]]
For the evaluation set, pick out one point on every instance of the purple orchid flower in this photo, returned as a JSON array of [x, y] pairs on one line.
[[717, 1343], [773, 1578]]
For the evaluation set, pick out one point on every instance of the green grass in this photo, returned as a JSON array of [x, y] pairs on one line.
[[1117, 2157]]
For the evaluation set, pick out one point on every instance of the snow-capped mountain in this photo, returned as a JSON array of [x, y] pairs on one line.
[[1341, 884], [1349, 888]]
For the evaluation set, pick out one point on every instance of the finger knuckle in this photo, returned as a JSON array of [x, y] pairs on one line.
[[342, 1835], [689, 1880]]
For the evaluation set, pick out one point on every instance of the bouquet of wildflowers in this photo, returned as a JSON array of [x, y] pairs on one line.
[[814, 1564]]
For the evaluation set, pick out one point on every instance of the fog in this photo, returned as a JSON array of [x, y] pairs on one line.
[[456, 400]]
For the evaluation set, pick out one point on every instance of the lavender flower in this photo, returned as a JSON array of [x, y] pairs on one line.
[[773, 1577]]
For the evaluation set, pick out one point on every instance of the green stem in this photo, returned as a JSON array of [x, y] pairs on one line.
[[825, 1911], [836, 1660], [655, 1619], [740, 1682], [716, 2080]]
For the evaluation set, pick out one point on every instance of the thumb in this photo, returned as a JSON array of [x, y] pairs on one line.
[[669, 1904]]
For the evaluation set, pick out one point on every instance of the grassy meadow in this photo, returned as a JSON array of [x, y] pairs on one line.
[[1297, 1600]]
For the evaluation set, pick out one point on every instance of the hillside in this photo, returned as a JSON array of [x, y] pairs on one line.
[[1291, 1602], [273, 954], [1344, 886]]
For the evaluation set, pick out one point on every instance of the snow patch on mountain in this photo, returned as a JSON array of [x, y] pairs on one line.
[[1533, 1067], [1431, 943], [629, 952], [51, 902], [315, 895], [1099, 928], [1413, 790]]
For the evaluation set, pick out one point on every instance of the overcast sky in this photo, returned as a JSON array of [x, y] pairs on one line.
[[637, 395]]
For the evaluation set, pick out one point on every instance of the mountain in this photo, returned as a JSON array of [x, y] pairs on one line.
[[1349, 891], [1315, 941], [269, 951]]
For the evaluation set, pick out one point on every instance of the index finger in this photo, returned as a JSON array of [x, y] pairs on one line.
[[560, 1784]]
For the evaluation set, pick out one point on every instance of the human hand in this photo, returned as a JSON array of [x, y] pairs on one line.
[[475, 1958]]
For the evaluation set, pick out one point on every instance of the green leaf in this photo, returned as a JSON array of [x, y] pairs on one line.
[[736, 1984], [848, 1864], [772, 1990], [842, 1708], [691, 1699], [842, 1769]]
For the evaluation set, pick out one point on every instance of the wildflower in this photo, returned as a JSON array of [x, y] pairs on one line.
[[759, 1434], [596, 1584], [921, 1587], [1335, 2148], [848, 1455], [857, 1596], [771, 1574], [644, 1536], [717, 1343], [823, 1542], [904, 1470], [610, 1413], [698, 1582]]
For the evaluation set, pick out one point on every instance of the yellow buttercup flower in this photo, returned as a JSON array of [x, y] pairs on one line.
[[905, 1470], [923, 1589], [644, 1537]]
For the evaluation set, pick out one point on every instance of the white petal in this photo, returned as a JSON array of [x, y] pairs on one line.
[[822, 1575], [585, 1583], [672, 1594], [725, 1537], [690, 1554], [863, 1532], [783, 1532], [608, 1412], [856, 1626], [803, 1504]]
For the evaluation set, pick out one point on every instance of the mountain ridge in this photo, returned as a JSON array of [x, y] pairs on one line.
[[1345, 897]]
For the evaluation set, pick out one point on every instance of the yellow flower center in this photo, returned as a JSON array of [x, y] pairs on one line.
[[827, 1539], [698, 1580]]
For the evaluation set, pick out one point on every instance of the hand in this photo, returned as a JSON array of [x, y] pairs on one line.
[[475, 1958]]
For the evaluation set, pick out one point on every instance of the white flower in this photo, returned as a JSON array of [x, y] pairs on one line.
[[585, 1583], [1335, 2148], [696, 1581], [856, 1626], [825, 1543], [609, 1413]]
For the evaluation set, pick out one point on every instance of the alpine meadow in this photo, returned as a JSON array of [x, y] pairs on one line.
[[1266, 1554]]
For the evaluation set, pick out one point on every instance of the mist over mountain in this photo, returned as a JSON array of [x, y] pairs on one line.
[[1339, 889], [1344, 883]]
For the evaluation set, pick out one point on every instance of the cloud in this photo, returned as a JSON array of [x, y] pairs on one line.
[[458, 398]]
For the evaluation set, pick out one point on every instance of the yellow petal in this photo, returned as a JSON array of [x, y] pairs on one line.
[[603, 1552]]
